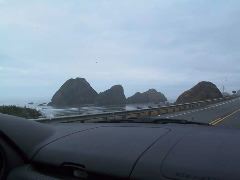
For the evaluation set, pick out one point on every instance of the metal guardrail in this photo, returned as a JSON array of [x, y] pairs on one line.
[[141, 113]]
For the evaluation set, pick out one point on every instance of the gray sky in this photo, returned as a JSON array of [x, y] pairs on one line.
[[169, 45]]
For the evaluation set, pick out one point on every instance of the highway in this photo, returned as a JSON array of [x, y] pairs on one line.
[[225, 114]]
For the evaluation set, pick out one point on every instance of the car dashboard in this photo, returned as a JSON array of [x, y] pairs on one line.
[[30, 150]]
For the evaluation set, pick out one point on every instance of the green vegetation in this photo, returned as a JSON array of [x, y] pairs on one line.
[[20, 112]]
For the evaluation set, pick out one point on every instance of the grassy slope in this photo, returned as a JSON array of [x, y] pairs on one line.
[[20, 112]]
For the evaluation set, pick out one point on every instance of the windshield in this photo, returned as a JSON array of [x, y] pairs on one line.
[[120, 60]]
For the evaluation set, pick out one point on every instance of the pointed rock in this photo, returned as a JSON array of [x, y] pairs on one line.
[[74, 92], [202, 91], [113, 96]]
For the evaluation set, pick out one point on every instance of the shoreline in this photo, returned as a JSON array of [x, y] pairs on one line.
[[51, 112]]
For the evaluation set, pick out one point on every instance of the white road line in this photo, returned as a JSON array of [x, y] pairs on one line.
[[206, 108]]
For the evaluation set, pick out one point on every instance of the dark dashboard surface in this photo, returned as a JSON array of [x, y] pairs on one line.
[[109, 149], [118, 151]]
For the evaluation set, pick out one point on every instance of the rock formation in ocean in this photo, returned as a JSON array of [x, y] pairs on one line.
[[150, 96], [113, 96], [202, 91], [74, 92]]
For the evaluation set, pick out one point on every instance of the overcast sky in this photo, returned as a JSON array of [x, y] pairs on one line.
[[169, 45]]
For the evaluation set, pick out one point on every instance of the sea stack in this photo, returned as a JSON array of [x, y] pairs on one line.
[[74, 92], [202, 91], [150, 96], [113, 96]]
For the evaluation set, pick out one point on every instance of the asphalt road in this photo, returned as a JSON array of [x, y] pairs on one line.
[[222, 114]]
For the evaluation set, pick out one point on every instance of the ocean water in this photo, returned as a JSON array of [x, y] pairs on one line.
[[51, 112]]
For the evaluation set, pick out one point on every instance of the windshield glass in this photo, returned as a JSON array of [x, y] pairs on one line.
[[120, 60]]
